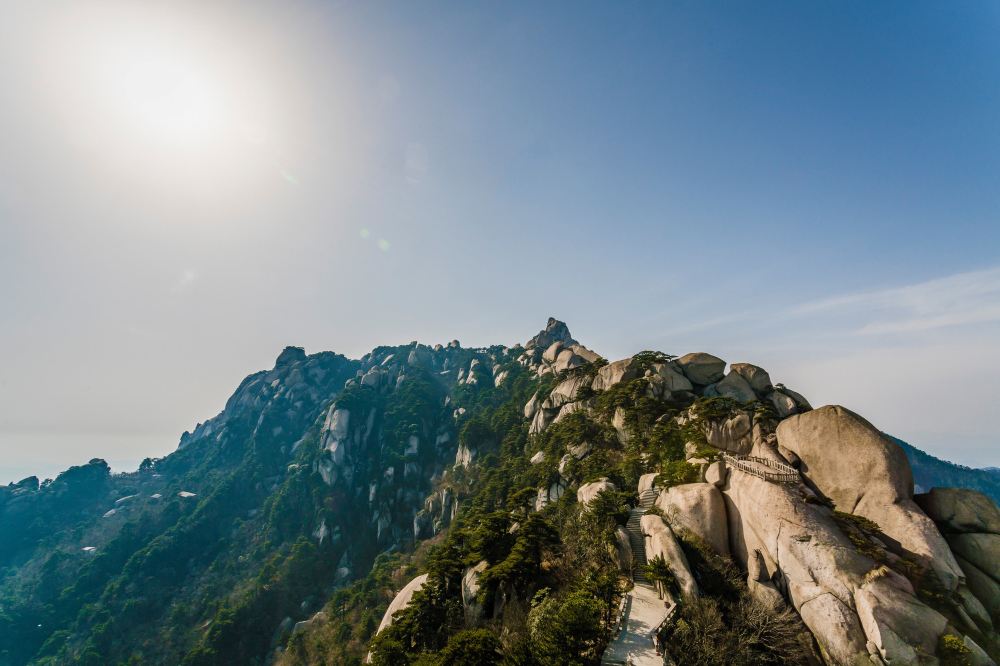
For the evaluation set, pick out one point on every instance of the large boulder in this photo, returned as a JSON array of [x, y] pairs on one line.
[[902, 629], [335, 431], [470, 591], [565, 392], [542, 419], [982, 550], [570, 408], [402, 600], [552, 352], [825, 577], [586, 354], [783, 403], [660, 541], [734, 434], [867, 474], [615, 372], [532, 406], [623, 550], [735, 387], [970, 522], [701, 368], [986, 588], [669, 378], [646, 482], [960, 510], [699, 509], [567, 360], [755, 376], [589, 491]]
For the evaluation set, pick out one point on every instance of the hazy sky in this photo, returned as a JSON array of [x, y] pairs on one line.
[[187, 187]]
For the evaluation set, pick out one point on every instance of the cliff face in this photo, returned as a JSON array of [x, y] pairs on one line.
[[503, 477]]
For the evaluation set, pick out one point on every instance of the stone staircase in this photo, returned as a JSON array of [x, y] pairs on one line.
[[636, 538]]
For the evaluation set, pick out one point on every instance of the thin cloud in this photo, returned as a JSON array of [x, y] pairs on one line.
[[185, 280], [956, 300]]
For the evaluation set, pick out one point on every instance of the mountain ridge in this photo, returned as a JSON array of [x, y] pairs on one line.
[[323, 471]]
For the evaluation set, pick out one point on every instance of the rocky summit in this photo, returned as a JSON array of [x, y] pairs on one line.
[[525, 504]]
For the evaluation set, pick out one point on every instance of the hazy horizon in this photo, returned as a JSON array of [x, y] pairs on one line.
[[185, 189]]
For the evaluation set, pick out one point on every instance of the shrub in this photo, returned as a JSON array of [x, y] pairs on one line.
[[565, 631], [953, 651]]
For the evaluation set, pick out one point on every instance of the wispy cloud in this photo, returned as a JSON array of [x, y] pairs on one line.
[[955, 300], [185, 280]]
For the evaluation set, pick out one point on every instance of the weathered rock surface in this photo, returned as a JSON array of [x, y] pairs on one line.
[[960, 510], [470, 590], [756, 376], [402, 600], [716, 474], [623, 550], [866, 474], [588, 491], [646, 482], [820, 570], [970, 522], [733, 434], [784, 405], [736, 387], [615, 372], [702, 368], [660, 541], [982, 550], [760, 584], [565, 392], [699, 509], [554, 331]]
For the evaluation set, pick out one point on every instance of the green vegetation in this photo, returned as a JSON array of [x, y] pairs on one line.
[[727, 625], [287, 522], [953, 651]]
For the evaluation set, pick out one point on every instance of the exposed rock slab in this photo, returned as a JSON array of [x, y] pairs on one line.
[[589, 491], [660, 541], [865, 473], [700, 509]]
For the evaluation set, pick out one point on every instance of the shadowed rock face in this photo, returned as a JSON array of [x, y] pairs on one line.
[[853, 607], [702, 368], [661, 542], [401, 600], [866, 474], [970, 522]]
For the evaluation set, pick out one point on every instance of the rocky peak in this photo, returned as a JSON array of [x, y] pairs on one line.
[[554, 331], [290, 355]]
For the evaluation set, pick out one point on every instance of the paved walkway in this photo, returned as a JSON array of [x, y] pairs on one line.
[[644, 612]]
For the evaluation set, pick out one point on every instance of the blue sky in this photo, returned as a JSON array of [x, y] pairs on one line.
[[809, 186]]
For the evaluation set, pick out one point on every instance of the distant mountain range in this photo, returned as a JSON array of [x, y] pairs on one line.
[[930, 472]]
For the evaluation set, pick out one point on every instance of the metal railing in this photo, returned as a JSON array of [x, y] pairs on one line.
[[764, 468]]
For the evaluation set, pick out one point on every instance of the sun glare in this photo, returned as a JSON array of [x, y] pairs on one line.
[[162, 88], [161, 94]]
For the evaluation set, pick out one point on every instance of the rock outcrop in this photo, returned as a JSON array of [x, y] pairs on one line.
[[589, 491], [970, 522], [661, 542], [401, 600], [702, 368], [699, 509], [866, 474]]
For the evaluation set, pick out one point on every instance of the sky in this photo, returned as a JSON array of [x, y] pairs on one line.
[[188, 187]]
